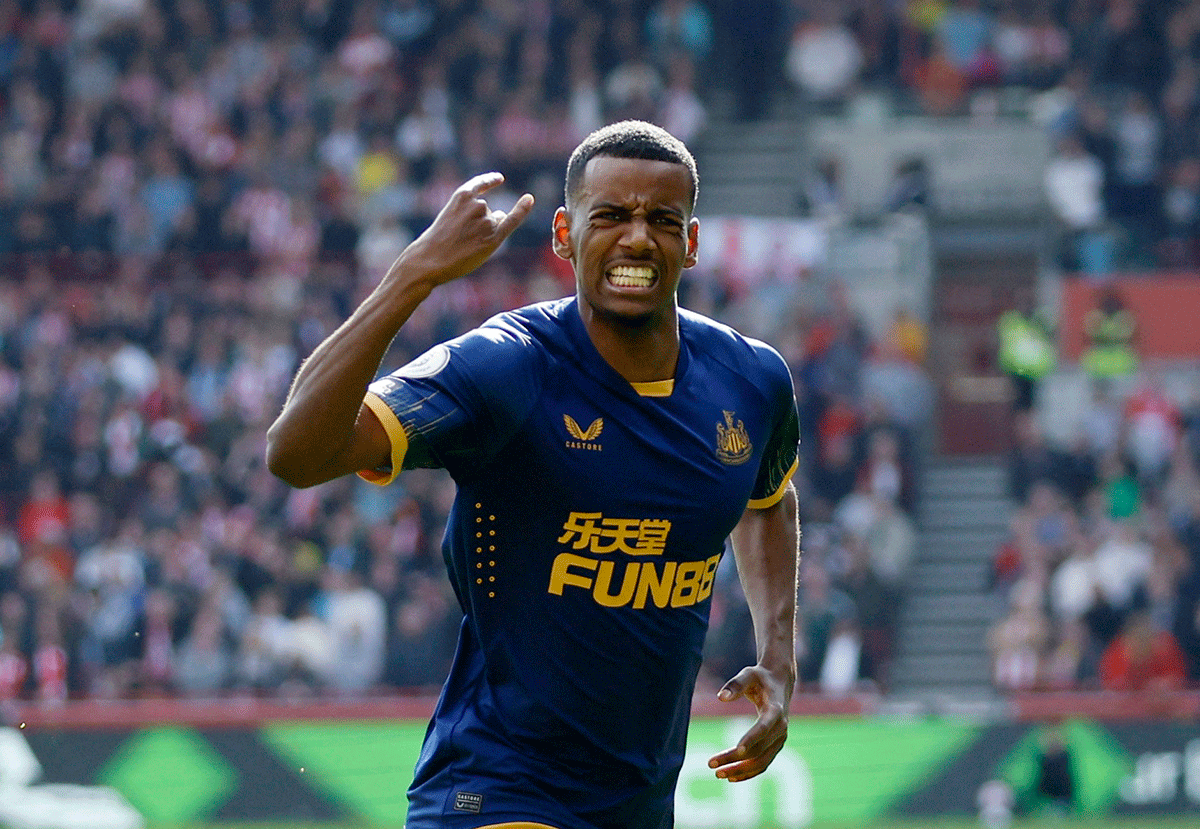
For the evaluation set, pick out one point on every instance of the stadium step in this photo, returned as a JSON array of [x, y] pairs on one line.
[[944, 575], [960, 544], [935, 671], [941, 642], [961, 636], [945, 608], [965, 511], [958, 480], [751, 168], [772, 197]]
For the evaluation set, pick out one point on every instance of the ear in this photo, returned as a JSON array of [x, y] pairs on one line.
[[562, 234], [693, 242]]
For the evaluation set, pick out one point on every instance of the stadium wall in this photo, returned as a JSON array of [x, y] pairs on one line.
[[1165, 308], [845, 763]]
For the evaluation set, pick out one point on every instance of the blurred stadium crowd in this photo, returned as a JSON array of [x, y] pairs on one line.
[[194, 193], [1097, 582]]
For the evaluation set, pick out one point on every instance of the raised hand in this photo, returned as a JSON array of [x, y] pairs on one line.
[[464, 234]]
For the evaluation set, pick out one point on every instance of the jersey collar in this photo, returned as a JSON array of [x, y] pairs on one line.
[[591, 357]]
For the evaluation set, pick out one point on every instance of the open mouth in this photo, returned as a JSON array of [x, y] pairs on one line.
[[631, 276]]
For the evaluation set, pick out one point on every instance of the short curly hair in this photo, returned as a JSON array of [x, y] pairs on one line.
[[629, 139]]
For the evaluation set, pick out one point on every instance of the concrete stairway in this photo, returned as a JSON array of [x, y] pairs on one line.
[[752, 169], [941, 648]]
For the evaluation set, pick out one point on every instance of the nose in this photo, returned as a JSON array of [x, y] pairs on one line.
[[637, 234]]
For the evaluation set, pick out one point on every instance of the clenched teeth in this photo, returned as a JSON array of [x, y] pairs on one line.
[[629, 276]]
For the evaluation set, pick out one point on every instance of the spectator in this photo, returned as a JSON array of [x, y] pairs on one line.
[[883, 471], [1111, 331], [634, 85], [940, 85], [424, 629], [1122, 564], [877, 609], [1032, 460], [898, 393], [1032, 48], [822, 608], [426, 135], [14, 671], [266, 647], [50, 659], [1074, 181], [1186, 620], [680, 27], [1134, 194], [755, 49], [909, 188], [821, 193], [681, 110], [823, 57], [842, 667], [158, 669], [203, 664], [964, 32], [908, 334], [1026, 352], [312, 658], [1143, 657], [1018, 556], [1153, 426], [1130, 48], [45, 515], [836, 466], [1102, 423], [166, 195], [356, 618], [1180, 245], [1017, 641], [891, 544]]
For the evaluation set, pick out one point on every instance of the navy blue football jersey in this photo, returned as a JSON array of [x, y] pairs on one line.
[[590, 518]]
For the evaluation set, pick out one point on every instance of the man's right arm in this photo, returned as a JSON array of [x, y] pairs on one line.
[[324, 430]]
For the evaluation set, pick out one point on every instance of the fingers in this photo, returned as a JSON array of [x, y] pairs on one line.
[[508, 222], [768, 728], [758, 747], [746, 760], [504, 223], [467, 231], [478, 185]]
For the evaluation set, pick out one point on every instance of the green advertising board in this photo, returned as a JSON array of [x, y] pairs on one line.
[[831, 770], [845, 771]]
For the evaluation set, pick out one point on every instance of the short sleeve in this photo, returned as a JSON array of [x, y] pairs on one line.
[[456, 405], [780, 458]]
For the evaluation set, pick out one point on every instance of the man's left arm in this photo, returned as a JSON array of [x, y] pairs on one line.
[[766, 549]]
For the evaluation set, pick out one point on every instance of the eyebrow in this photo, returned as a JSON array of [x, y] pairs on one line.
[[656, 211]]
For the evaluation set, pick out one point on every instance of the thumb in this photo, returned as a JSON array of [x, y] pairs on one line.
[[735, 687]]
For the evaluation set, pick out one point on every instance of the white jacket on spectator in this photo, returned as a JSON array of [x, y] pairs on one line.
[[357, 620]]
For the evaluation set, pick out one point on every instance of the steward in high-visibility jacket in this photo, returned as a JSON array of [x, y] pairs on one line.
[[1110, 328], [1026, 353]]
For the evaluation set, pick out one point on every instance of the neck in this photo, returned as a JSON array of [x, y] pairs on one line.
[[642, 349]]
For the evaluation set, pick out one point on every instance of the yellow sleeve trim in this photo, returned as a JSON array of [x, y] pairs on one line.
[[395, 433], [773, 499], [655, 388]]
